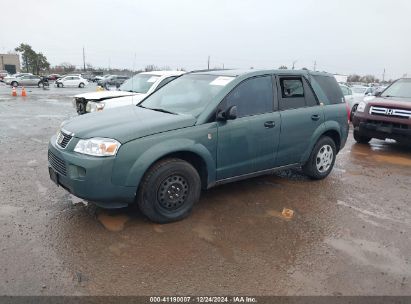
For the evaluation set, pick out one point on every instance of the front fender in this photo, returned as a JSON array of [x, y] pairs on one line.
[[163, 149], [134, 158]]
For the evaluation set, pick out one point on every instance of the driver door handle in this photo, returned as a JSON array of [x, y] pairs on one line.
[[269, 124]]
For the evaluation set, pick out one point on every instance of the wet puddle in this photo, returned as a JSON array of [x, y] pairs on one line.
[[383, 152]]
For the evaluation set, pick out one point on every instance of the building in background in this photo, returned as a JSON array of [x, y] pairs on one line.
[[341, 78], [10, 63]]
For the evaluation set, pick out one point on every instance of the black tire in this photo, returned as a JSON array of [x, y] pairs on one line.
[[81, 85], [14, 84], [174, 177], [40, 84], [312, 168], [59, 85], [353, 110], [360, 138]]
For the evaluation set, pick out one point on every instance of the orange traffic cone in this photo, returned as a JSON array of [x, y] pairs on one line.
[[23, 92], [14, 93]]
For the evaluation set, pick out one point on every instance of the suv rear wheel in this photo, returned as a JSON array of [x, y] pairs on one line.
[[169, 190], [360, 138], [322, 159]]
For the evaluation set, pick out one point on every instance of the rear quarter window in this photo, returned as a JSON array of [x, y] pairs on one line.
[[327, 89]]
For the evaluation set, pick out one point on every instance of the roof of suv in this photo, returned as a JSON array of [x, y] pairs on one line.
[[164, 73], [239, 72]]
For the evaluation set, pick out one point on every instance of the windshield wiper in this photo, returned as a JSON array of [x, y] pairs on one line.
[[157, 109], [162, 110]]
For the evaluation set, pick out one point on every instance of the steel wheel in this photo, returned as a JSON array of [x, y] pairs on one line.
[[324, 158], [173, 192]]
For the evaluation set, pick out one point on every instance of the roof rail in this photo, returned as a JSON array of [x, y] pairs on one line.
[[207, 70]]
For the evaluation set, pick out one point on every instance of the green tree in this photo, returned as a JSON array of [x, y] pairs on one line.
[[32, 61], [283, 67]]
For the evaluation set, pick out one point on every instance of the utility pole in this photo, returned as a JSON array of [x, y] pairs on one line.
[[383, 76], [294, 62], [84, 60], [315, 66], [208, 63]]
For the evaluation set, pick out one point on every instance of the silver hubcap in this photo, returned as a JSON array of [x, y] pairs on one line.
[[324, 158]]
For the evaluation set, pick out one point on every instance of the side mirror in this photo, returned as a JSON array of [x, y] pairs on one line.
[[229, 114], [376, 94]]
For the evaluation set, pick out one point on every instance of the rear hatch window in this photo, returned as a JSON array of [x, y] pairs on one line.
[[327, 89]]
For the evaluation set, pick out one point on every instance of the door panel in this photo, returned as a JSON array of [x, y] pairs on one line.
[[297, 128], [249, 143], [246, 145], [301, 116]]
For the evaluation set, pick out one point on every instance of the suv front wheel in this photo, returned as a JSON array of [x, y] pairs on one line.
[[361, 139], [169, 190], [322, 159]]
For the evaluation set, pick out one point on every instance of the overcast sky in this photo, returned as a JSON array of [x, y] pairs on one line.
[[349, 36]]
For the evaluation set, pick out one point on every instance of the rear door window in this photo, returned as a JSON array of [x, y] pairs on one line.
[[292, 93]]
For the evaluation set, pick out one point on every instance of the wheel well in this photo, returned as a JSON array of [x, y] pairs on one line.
[[335, 137], [195, 160]]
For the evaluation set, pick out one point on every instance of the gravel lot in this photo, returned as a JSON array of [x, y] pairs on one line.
[[350, 234]]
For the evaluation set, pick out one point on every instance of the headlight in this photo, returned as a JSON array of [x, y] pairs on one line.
[[361, 107], [95, 106], [97, 146]]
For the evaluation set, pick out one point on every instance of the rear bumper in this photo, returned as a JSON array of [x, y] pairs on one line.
[[89, 178]]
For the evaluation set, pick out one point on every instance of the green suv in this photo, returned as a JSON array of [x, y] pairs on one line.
[[203, 129]]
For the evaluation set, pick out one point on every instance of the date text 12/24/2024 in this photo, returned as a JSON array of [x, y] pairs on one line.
[[203, 299]]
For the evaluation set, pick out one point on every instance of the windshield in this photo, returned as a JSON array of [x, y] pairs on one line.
[[359, 90], [400, 88], [188, 94], [139, 83]]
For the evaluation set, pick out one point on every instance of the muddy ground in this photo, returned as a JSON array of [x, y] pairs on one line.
[[350, 233]]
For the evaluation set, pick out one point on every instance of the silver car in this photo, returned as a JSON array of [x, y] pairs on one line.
[[27, 80]]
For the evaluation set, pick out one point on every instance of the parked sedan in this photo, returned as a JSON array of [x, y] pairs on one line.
[[53, 76], [349, 98], [27, 80], [113, 80], [71, 81], [10, 78]]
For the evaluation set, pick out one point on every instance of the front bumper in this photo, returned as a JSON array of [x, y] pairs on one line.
[[381, 129], [88, 177]]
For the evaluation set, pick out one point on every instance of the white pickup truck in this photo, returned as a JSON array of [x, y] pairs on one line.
[[130, 92]]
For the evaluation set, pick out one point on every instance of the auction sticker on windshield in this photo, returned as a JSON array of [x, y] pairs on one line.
[[221, 80], [153, 79]]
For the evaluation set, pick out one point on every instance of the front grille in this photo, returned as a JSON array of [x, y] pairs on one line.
[[57, 164], [391, 112], [63, 139]]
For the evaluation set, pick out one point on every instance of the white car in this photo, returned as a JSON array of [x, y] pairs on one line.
[[132, 91], [350, 99], [71, 81]]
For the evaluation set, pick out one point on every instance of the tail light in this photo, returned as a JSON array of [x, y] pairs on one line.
[[347, 106]]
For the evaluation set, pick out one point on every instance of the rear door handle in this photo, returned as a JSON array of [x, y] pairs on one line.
[[269, 124], [315, 117]]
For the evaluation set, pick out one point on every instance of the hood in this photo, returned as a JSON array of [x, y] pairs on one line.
[[124, 100], [402, 103], [101, 95], [126, 123]]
